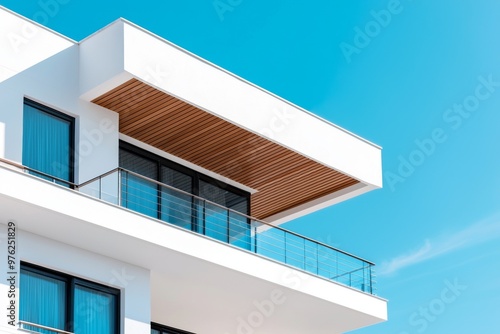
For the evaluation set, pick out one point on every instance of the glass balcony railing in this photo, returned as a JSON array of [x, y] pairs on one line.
[[176, 207], [173, 206]]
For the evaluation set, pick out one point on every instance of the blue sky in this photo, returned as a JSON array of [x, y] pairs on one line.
[[421, 78]]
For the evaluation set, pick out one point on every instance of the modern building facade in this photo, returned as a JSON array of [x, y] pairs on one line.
[[143, 190]]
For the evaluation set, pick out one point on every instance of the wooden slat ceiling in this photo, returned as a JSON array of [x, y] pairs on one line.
[[284, 179]]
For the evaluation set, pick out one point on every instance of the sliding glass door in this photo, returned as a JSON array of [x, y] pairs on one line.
[[164, 190]]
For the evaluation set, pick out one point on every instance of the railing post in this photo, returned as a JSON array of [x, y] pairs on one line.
[[364, 275], [204, 218], [317, 259], [284, 238], [336, 263], [255, 238], [305, 255], [371, 279], [119, 174], [227, 227]]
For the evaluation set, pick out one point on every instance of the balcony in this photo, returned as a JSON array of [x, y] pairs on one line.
[[173, 206], [181, 257]]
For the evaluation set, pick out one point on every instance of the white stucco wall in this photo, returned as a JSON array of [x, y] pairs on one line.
[[24, 43], [55, 83], [132, 281]]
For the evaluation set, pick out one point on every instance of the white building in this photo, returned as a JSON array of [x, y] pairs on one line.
[[142, 189]]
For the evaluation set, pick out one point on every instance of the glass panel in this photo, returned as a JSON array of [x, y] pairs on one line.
[[46, 143], [176, 207], [295, 250], [199, 213], [95, 311], [139, 194], [109, 188], [42, 301], [218, 222], [270, 242], [215, 218], [327, 262], [311, 252], [154, 331], [239, 231]]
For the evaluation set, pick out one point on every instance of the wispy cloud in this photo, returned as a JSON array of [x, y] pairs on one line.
[[471, 235]]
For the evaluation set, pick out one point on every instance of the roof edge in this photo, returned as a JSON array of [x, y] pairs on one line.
[[121, 19], [38, 24]]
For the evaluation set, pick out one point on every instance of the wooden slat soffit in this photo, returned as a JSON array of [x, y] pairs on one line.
[[284, 179]]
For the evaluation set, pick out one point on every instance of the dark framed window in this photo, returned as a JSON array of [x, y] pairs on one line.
[[145, 193], [68, 303], [48, 142], [181, 177], [161, 329]]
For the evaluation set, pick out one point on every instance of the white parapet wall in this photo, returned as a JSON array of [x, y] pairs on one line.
[[24, 43]]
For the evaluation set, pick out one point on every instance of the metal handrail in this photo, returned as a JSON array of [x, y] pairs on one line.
[[98, 177], [224, 208], [22, 323], [24, 168]]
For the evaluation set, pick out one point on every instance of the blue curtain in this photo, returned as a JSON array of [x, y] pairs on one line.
[[46, 143], [42, 300], [94, 311]]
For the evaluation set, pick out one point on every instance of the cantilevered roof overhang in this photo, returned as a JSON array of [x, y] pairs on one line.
[[174, 101]]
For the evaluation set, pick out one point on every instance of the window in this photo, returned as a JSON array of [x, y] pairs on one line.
[[177, 207], [139, 194], [217, 222], [161, 329], [60, 301], [48, 142]]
